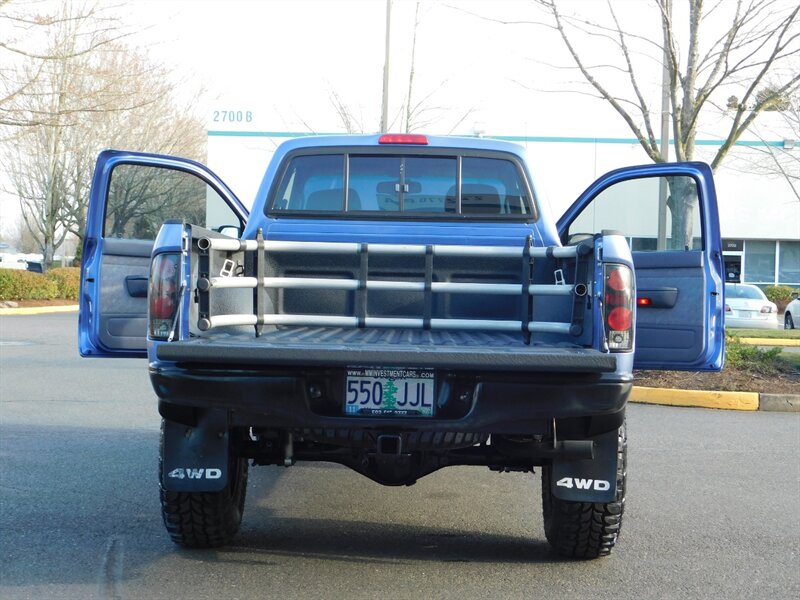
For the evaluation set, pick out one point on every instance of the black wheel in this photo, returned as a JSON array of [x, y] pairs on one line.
[[582, 529], [788, 323], [205, 519]]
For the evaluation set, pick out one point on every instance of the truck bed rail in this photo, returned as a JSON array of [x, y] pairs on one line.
[[259, 282]]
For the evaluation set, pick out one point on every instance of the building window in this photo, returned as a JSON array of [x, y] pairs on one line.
[[641, 244], [789, 263], [759, 262]]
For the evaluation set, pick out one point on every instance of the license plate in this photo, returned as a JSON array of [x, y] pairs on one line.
[[386, 391]]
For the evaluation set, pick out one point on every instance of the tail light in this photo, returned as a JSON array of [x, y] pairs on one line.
[[163, 294], [728, 308], [766, 309], [618, 312]]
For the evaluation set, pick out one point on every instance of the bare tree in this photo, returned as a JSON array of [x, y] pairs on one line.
[[777, 160], [752, 55], [421, 114], [351, 122], [19, 237], [410, 111], [46, 94], [27, 51], [38, 185], [77, 103], [415, 114], [150, 121], [761, 36]]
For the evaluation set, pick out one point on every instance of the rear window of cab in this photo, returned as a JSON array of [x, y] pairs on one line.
[[394, 184]]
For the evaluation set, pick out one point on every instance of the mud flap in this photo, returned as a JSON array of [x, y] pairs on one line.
[[592, 480], [195, 459]]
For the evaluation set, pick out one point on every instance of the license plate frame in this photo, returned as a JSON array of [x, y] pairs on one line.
[[403, 392]]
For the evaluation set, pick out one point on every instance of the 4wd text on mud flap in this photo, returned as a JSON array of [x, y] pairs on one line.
[[180, 473], [584, 484]]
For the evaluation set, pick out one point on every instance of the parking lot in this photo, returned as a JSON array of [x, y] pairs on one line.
[[713, 508]]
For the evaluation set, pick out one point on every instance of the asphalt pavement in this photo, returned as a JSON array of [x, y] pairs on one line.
[[712, 511]]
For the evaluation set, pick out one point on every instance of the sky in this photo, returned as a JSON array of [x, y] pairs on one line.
[[283, 61]]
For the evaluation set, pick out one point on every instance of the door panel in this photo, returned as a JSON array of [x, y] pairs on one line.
[[672, 333], [668, 213], [123, 317], [132, 195]]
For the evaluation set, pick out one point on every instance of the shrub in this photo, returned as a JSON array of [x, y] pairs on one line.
[[7, 284], [751, 358], [779, 293], [68, 280], [24, 285]]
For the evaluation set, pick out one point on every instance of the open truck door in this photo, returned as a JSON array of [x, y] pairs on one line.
[[668, 213], [132, 195]]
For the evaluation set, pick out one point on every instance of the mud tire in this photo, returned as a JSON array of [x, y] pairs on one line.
[[205, 519], [585, 530]]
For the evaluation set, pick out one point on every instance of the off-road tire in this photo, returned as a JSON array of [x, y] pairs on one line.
[[583, 529], [205, 519]]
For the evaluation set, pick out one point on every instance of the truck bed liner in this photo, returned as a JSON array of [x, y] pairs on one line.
[[336, 346]]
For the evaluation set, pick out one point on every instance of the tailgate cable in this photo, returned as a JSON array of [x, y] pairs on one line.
[[173, 330]]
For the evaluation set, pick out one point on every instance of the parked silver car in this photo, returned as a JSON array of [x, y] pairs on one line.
[[746, 306], [791, 318]]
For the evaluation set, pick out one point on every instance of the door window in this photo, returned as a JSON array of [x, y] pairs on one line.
[[141, 198], [654, 213]]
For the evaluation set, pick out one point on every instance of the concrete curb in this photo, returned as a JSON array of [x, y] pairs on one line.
[[749, 401], [768, 342], [38, 310], [780, 402]]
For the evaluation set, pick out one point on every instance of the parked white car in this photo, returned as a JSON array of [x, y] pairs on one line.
[[746, 306], [791, 318]]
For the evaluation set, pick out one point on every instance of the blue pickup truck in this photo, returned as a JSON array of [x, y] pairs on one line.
[[398, 304]]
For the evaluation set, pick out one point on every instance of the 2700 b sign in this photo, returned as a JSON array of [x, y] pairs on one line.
[[384, 391]]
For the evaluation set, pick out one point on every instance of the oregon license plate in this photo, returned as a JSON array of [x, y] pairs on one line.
[[386, 391]]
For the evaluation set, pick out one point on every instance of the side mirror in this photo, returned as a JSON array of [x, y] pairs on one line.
[[229, 230]]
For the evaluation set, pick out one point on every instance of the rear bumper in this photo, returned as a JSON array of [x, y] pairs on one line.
[[767, 322], [312, 398]]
